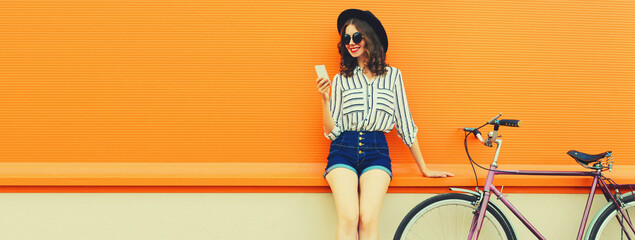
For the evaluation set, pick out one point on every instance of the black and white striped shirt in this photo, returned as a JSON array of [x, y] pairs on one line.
[[359, 105]]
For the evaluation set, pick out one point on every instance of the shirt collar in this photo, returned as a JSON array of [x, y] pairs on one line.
[[358, 69]]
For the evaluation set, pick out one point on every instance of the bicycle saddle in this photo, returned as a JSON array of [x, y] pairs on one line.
[[584, 158]]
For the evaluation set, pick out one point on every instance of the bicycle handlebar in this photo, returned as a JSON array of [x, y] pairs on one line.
[[497, 123]]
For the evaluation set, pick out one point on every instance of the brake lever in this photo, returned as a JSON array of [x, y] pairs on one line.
[[478, 135], [491, 121]]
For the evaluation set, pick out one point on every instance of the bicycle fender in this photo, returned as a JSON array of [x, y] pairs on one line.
[[465, 191], [597, 215], [493, 204], [626, 194]]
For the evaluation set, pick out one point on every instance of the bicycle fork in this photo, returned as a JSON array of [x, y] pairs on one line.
[[479, 215]]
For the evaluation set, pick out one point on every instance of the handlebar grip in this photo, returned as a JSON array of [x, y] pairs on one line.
[[510, 122]]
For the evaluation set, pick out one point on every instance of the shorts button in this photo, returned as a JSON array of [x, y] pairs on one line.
[[360, 152]]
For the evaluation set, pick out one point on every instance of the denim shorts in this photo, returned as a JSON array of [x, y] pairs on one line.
[[359, 152]]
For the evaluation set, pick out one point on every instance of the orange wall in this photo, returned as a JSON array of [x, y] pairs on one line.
[[219, 81]]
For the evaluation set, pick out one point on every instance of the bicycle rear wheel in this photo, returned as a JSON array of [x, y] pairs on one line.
[[449, 216], [608, 225]]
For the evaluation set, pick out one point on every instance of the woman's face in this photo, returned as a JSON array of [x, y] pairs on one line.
[[355, 49]]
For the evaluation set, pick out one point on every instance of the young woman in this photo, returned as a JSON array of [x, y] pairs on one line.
[[367, 100]]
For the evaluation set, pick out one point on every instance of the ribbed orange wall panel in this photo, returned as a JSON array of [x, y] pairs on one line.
[[182, 81]]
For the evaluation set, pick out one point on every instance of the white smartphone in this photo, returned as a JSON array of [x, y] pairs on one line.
[[321, 71]]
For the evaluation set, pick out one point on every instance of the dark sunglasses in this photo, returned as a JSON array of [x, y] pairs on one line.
[[357, 38]]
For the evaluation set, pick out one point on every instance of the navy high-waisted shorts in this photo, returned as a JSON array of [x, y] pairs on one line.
[[359, 152]]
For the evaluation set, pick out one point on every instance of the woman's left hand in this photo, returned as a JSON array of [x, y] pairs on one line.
[[436, 174]]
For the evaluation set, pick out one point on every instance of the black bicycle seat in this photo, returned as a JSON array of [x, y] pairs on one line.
[[587, 158]]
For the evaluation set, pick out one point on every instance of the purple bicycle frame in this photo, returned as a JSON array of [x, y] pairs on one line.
[[489, 188]]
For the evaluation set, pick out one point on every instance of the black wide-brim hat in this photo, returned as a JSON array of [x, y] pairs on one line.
[[367, 17]]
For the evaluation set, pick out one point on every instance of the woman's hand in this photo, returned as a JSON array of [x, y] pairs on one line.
[[436, 174], [324, 88]]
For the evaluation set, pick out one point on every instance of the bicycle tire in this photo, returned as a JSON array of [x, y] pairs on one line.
[[607, 225], [433, 219]]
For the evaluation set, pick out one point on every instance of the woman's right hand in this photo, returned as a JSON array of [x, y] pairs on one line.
[[436, 174], [324, 88]]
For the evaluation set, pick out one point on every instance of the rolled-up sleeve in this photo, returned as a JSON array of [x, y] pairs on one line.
[[335, 106], [406, 128]]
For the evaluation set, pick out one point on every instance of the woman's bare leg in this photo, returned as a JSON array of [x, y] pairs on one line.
[[344, 184], [373, 186]]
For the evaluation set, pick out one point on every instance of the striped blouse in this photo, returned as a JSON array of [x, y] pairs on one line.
[[357, 105]]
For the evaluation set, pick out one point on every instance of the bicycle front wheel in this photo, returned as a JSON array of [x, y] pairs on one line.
[[608, 224], [449, 216]]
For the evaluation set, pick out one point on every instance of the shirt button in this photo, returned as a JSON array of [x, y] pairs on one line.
[[360, 138], [360, 152], [361, 144], [361, 133]]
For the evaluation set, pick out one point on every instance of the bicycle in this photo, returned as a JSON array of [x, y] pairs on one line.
[[472, 215]]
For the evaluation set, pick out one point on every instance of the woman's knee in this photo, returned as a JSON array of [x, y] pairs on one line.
[[368, 220], [350, 219]]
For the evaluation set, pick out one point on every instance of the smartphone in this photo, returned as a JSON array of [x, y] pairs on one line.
[[321, 71]]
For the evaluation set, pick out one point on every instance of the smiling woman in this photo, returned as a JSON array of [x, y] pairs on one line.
[[367, 100]]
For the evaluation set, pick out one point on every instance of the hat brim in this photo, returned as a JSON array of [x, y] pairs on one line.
[[367, 17]]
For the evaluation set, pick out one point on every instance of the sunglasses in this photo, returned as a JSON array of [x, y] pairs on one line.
[[357, 38]]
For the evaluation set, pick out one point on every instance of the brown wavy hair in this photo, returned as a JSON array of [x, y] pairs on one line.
[[373, 48]]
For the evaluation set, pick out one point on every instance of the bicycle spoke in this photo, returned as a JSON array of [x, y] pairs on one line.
[[464, 236], [443, 232], [613, 225], [629, 222], [447, 218], [439, 220], [434, 230]]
